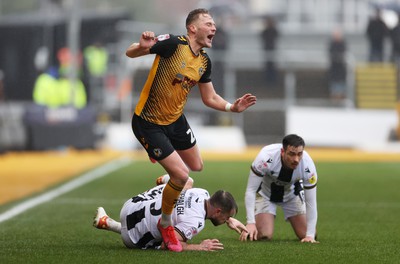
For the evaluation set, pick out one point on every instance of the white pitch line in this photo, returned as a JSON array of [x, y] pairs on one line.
[[67, 187]]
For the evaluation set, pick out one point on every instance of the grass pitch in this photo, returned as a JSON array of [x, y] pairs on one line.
[[358, 220]]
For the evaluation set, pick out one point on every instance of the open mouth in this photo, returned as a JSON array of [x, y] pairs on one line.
[[210, 37]]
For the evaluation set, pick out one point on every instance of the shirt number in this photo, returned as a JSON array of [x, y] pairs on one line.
[[192, 138]]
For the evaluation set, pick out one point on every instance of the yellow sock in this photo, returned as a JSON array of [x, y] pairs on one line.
[[169, 197]]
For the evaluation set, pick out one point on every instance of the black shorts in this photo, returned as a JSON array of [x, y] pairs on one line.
[[160, 141]]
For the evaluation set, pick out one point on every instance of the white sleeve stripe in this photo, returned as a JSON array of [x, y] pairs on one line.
[[256, 172], [310, 187]]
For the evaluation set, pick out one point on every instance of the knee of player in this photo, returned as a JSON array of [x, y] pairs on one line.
[[197, 166], [180, 176], [300, 235], [264, 236]]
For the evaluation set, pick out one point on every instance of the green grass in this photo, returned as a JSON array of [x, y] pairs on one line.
[[358, 205]]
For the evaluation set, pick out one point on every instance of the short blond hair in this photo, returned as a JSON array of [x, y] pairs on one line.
[[194, 15]]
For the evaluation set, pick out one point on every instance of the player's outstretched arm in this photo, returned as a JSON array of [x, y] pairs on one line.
[[213, 100], [205, 245]]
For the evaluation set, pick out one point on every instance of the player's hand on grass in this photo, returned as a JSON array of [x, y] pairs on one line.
[[211, 245], [251, 234], [309, 240], [236, 225]]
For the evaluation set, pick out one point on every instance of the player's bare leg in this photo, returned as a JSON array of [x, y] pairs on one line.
[[192, 158], [299, 224], [102, 221], [265, 226], [179, 174]]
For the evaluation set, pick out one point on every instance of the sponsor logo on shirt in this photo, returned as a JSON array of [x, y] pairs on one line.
[[163, 37], [189, 201], [184, 81], [263, 165], [280, 183], [312, 179], [190, 232]]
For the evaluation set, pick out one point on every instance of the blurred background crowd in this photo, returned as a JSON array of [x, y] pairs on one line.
[[326, 69]]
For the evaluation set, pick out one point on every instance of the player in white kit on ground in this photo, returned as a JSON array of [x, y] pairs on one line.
[[139, 217]]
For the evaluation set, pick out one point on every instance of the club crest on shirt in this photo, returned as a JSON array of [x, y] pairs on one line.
[[201, 71], [157, 152]]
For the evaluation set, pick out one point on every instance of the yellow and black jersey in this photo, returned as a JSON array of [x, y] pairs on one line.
[[175, 70]]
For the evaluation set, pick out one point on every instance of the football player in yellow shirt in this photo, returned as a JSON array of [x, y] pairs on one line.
[[159, 123]]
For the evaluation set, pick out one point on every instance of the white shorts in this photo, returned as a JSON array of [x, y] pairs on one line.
[[124, 230], [290, 208], [145, 234]]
